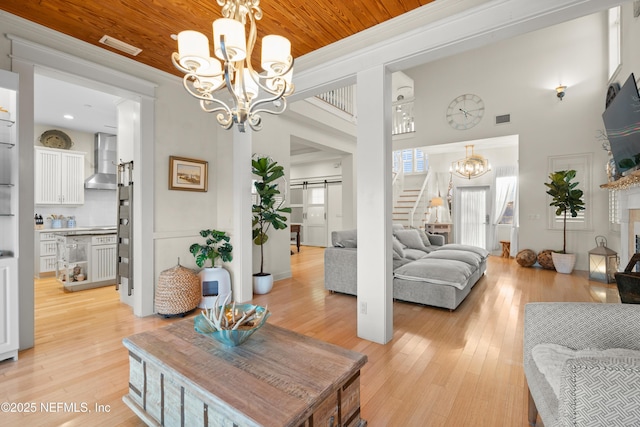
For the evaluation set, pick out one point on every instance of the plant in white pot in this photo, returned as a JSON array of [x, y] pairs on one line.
[[215, 279], [567, 199], [267, 212]]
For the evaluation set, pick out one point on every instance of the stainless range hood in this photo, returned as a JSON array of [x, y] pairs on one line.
[[106, 153]]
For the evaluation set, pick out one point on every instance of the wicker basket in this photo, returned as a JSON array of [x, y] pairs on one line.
[[178, 291]]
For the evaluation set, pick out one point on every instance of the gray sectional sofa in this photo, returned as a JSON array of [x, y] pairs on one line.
[[582, 363], [426, 271]]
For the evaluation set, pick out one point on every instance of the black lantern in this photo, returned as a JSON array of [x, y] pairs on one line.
[[603, 262]]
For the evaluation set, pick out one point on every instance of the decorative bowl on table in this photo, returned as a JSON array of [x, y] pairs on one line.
[[213, 324]]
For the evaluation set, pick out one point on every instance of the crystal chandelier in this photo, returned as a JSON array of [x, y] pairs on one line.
[[472, 166], [248, 93]]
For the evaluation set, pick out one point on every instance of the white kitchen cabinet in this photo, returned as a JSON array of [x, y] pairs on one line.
[[45, 256], [103, 258], [8, 165], [9, 192], [59, 177], [9, 340]]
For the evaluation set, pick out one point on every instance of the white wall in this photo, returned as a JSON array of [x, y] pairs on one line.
[[329, 169], [630, 29], [518, 77]]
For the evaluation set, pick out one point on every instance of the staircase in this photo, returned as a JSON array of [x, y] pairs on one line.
[[403, 207]]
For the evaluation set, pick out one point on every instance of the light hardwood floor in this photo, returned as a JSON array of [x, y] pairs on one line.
[[442, 368]]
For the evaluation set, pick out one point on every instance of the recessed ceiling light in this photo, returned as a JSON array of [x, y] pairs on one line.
[[68, 117]]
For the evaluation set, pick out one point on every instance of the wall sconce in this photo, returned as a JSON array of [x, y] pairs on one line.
[[560, 92]]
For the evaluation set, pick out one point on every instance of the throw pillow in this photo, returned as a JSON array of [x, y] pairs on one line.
[[348, 243], [411, 239], [425, 239], [397, 247], [551, 358]]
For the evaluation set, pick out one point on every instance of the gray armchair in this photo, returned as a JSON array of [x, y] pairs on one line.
[[594, 391]]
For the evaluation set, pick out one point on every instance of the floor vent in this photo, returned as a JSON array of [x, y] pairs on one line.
[[120, 45], [505, 118]]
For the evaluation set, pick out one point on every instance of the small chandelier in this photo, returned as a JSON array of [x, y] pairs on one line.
[[472, 166], [251, 93]]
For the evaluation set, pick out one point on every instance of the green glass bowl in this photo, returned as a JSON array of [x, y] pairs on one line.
[[230, 338]]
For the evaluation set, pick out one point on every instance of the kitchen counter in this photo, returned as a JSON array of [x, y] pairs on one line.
[[97, 228], [81, 231], [101, 246]]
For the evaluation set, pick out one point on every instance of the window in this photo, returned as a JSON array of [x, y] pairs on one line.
[[614, 40], [507, 216], [505, 196], [412, 160], [316, 196]]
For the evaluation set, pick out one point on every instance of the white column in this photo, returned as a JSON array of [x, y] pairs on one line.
[[143, 205], [241, 216], [349, 201], [375, 267]]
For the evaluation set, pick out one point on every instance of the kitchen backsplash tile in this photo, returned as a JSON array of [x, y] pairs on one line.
[[100, 208]]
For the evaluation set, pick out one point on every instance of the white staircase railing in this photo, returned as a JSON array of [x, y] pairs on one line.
[[402, 117], [397, 183], [343, 98], [420, 197]]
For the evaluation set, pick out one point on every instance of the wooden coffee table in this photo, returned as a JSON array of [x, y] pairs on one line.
[[276, 378]]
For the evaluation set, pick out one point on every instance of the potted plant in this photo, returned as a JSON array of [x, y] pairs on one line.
[[215, 279], [567, 199], [267, 213]]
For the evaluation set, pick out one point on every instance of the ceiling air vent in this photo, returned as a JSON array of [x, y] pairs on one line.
[[505, 118], [120, 45]]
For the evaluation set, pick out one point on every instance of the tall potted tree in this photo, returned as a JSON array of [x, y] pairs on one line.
[[567, 199], [215, 279], [267, 213]]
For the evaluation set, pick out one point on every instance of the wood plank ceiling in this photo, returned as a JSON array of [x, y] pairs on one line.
[[149, 24]]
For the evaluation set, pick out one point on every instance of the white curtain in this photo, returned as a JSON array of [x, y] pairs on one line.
[[438, 186], [506, 183], [444, 212], [471, 208]]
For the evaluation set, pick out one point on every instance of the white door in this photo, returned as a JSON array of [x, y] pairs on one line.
[[471, 215], [315, 217], [334, 209]]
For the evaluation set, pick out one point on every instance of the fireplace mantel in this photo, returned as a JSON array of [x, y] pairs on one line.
[[624, 183]]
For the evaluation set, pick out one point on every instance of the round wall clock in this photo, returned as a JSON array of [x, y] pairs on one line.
[[465, 111]]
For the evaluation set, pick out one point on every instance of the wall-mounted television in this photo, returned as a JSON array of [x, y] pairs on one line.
[[622, 123]]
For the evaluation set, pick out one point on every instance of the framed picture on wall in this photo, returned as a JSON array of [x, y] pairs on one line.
[[187, 174]]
